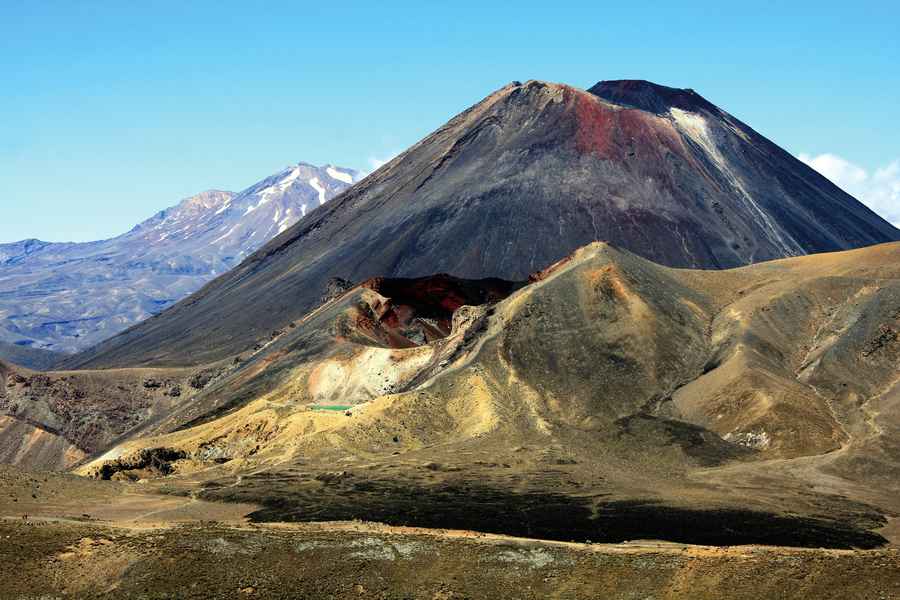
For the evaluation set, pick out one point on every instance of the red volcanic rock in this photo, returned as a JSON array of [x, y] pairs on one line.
[[420, 310], [613, 133]]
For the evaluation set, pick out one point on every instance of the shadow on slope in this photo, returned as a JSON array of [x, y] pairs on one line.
[[554, 516]]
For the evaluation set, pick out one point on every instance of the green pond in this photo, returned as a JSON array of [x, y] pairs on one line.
[[335, 407]]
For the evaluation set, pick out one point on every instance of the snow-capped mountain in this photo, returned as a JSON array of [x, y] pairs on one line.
[[67, 296]]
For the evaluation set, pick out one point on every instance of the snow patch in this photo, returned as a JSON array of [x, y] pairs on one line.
[[228, 233], [223, 208], [335, 174], [267, 194], [696, 127], [289, 179], [314, 182], [287, 221]]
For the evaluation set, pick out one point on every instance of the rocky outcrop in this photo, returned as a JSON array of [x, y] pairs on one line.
[[52, 420]]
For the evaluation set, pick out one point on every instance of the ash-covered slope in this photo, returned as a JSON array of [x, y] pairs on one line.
[[516, 182], [609, 399], [66, 297]]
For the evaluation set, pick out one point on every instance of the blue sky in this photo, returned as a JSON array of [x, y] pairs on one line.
[[111, 111]]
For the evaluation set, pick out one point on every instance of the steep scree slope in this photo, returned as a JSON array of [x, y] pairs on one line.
[[518, 181]]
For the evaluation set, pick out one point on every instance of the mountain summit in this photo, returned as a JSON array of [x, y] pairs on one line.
[[651, 97], [516, 182]]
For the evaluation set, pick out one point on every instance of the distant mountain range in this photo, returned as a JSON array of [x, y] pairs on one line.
[[68, 296]]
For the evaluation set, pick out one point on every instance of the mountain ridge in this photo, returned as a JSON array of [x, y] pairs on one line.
[[66, 296]]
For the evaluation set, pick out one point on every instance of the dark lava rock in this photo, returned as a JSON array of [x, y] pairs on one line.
[[335, 288], [202, 378]]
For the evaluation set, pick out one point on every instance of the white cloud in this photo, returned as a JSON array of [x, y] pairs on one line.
[[879, 190], [376, 163]]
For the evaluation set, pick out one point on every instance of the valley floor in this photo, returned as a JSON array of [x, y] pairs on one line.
[[67, 537]]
